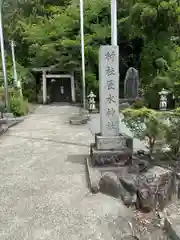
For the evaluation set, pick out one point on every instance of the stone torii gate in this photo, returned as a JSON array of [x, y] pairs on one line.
[[45, 75]]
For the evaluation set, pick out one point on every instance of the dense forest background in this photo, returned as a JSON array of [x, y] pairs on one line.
[[47, 32]]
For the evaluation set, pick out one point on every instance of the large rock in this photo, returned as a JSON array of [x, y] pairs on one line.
[[110, 184], [154, 188], [129, 184], [129, 191]]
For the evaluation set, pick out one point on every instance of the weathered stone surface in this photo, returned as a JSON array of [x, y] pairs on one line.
[[143, 166], [131, 83], [129, 184], [172, 226], [111, 142], [127, 198], [94, 177], [78, 120], [110, 184], [154, 187], [110, 157], [129, 193]]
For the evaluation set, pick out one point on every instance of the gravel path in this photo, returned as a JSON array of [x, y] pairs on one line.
[[43, 188]]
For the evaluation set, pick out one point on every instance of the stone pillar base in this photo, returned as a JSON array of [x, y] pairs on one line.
[[112, 150]]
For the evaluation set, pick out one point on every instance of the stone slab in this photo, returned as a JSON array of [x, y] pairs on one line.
[[111, 142], [8, 115], [93, 176], [79, 120]]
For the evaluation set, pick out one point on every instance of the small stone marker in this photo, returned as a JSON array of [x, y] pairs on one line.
[[109, 90]]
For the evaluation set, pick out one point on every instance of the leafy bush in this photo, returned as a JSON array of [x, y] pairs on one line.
[[138, 103], [146, 124], [173, 132], [18, 106], [30, 94]]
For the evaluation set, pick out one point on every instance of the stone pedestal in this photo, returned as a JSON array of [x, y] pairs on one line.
[[113, 150]]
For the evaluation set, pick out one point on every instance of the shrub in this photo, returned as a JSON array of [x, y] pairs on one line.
[[138, 103], [18, 106], [30, 94], [146, 124], [173, 132]]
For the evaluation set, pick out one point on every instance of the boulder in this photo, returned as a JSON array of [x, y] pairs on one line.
[[129, 184], [129, 190], [154, 188], [127, 198], [143, 166], [110, 184]]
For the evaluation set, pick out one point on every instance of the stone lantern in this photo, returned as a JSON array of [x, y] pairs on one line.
[[163, 99], [91, 101]]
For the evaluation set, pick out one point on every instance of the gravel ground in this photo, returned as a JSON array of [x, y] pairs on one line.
[[43, 188]]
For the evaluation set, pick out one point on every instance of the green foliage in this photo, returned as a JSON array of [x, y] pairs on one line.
[[174, 72], [18, 106], [156, 21], [146, 124], [173, 132], [48, 33], [2, 107]]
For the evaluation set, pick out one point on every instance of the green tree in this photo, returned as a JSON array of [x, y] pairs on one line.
[[156, 22], [173, 132], [47, 32]]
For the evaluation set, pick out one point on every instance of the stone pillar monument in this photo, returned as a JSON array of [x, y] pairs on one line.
[[109, 90], [110, 146]]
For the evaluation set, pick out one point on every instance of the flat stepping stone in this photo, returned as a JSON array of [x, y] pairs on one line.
[[78, 120]]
